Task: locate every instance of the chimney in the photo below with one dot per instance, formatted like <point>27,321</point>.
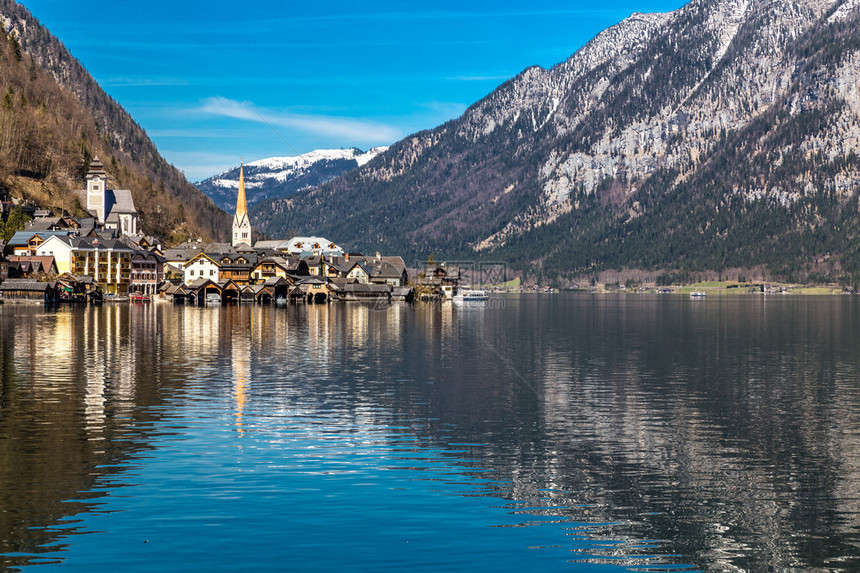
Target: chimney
<point>378,256</point>
<point>346,256</point>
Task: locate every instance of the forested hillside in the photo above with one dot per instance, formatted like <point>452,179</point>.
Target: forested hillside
<point>55,118</point>
<point>722,136</point>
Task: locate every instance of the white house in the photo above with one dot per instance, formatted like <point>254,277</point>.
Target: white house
<point>201,266</point>
<point>61,248</point>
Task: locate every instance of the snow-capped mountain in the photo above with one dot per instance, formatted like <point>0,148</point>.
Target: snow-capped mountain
<point>282,176</point>
<point>723,135</point>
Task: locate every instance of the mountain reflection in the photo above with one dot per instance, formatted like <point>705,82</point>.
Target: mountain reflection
<point>718,434</point>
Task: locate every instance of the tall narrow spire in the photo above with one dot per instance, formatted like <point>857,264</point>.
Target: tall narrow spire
<point>241,221</point>
<point>241,205</point>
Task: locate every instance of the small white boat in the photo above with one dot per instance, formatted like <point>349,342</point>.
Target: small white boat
<point>466,294</point>
<point>213,298</point>
<point>697,294</point>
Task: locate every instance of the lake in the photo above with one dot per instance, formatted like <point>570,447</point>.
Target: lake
<point>563,432</point>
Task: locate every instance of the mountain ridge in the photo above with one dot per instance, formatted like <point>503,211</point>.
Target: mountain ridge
<point>277,177</point>
<point>574,169</point>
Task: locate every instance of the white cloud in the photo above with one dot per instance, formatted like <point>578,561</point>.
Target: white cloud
<point>142,82</point>
<point>352,131</point>
<point>488,78</point>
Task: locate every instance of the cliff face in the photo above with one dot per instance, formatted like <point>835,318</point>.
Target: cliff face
<point>62,118</point>
<point>724,134</point>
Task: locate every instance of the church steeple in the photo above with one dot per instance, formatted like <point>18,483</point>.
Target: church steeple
<point>241,221</point>
<point>96,188</point>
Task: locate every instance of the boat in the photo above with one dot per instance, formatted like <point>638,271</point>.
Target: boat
<point>138,297</point>
<point>467,294</point>
<point>213,298</point>
<point>697,294</point>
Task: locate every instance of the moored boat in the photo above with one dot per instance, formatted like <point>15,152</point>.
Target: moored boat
<point>467,294</point>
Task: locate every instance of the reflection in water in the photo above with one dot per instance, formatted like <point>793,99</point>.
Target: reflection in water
<point>642,431</point>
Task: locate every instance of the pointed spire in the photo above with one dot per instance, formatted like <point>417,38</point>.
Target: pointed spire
<point>241,204</point>
<point>241,222</point>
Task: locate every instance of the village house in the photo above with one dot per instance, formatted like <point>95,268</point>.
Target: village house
<point>28,267</point>
<point>388,270</point>
<point>275,266</point>
<point>147,272</point>
<point>237,267</point>
<point>343,267</point>
<point>26,243</point>
<point>201,266</point>
<point>441,278</point>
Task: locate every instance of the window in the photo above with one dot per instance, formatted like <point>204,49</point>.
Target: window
<point>191,272</point>
<point>211,272</point>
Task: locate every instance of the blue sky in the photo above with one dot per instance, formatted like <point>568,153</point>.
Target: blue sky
<point>215,82</point>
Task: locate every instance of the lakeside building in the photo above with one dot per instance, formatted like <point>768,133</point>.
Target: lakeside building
<point>115,266</point>
<point>441,278</point>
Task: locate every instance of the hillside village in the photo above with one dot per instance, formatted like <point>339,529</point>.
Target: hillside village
<point>107,256</point>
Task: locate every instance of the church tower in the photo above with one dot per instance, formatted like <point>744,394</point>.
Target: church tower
<point>96,188</point>
<point>241,221</point>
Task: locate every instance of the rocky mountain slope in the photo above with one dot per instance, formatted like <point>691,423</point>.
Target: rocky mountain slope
<point>722,135</point>
<point>279,177</point>
<point>55,118</point>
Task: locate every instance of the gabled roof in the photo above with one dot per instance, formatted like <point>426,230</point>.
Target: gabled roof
<point>232,259</point>
<point>179,254</point>
<point>109,244</point>
<point>213,258</point>
<point>199,283</point>
<point>45,262</point>
<point>366,288</point>
<point>387,267</point>
<point>26,285</point>
<point>45,224</point>
<point>21,238</point>
<point>274,245</point>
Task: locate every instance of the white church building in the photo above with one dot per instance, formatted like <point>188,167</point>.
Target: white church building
<point>112,208</point>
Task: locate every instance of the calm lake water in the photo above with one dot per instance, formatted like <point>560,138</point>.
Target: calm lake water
<point>550,432</point>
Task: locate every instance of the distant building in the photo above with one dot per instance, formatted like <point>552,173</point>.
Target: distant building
<point>112,208</point>
<point>306,246</point>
